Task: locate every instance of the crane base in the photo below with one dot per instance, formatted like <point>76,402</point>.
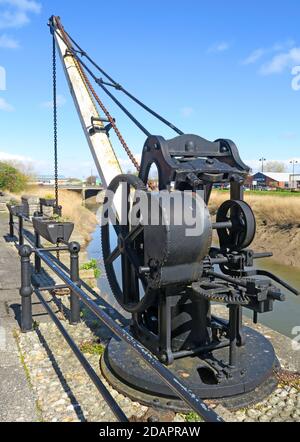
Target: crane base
<point>249,382</point>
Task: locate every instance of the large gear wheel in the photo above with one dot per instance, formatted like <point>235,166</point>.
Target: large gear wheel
<point>132,292</point>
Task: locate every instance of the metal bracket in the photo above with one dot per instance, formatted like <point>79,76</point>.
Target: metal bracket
<point>96,128</point>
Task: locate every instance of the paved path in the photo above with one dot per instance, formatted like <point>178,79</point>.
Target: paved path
<point>17,402</point>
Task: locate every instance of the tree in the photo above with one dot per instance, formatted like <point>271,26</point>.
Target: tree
<point>274,166</point>
<point>11,179</point>
<point>91,180</point>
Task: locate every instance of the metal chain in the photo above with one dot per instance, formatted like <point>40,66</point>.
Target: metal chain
<point>55,121</point>
<point>55,128</point>
<point>106,112</point>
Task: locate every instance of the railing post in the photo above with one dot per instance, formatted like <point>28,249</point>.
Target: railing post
<point>37,243</point>
<point>21,237</point>
<point>11,225</point>
<point>58,210</point>
<point>74,249</point>
<point>37,259</point>
<point>26,289</point>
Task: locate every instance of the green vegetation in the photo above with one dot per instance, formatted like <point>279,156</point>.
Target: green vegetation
<point>193,417</point>
<point>11,179</point>
<point>49,197</point>
<point>279,192</point>
<point>92,264</point>
<point>60,219</point>
<point>92,348</point>
<point>14,202</point>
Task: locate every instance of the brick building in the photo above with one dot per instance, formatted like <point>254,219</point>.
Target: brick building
<point>273,179</point>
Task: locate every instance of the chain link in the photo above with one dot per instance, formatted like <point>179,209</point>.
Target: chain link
<point>55,128</point>
<point>55,121</point>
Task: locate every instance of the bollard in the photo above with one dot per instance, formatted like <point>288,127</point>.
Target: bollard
<point>11,225</point>
<point>26,289</point>
<point>21,237</point>
<point>74,249</point>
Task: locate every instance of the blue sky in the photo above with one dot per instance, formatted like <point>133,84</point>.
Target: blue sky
<point>219,69</point>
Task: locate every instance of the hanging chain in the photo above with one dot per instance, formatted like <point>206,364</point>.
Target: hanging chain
<point>55,122</point>
<point>55,130</point>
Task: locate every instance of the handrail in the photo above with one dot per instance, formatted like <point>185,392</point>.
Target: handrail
<point>175,384</point>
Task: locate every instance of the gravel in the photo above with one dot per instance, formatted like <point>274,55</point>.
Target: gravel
<point>64,392</point>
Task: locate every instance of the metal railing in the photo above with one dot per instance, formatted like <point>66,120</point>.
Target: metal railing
<point>71,280</point>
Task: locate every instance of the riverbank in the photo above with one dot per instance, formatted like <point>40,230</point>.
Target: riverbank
<point>278,224</point>
<point>84,219</point>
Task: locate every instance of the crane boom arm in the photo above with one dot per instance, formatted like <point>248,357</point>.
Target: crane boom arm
<point>100,146</point>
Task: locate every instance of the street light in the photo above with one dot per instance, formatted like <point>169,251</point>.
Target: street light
<point>262,164</point>
<point>293,162</point>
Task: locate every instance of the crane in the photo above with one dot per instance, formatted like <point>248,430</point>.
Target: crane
<point>168,282</point>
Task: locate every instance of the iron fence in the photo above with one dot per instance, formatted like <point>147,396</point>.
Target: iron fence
<point>80,291</point>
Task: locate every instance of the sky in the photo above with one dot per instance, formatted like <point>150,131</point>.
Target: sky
<point>221,69</point>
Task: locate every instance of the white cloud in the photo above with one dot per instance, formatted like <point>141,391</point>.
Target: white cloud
<point>254,56</point>
<point>6,156</point>
<point>219,47</point>
<point>186,111</point>
<point>281,61</point>
<point>61,101</point>
<point>24,5</point>
<point>5,106</point>
<point>8,42</point>
<point>288,135</point>
<point>284,55</point>
<point>2,79</point>
<point>126,163</point>
<point>15,13</point>
<point>24,163</point>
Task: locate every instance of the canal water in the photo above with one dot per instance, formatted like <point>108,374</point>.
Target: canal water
<point>285,316</point>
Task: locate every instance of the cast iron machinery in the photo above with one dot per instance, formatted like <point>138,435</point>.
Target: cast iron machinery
<point>185,293</point>
<point>170,282</point>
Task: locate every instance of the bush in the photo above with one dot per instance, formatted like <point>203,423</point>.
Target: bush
<point>92,264</point>
<point>11,179</point>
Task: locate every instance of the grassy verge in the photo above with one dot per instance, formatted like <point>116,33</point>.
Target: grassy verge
<point>278,223</point>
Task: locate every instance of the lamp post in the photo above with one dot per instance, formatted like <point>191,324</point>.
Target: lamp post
<point>293,162</point>
<point>262,159</point>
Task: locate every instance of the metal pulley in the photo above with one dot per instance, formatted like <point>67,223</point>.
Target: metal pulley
<point>236,225</point>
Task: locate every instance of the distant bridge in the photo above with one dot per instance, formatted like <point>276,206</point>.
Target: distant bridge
<point>87,191</point>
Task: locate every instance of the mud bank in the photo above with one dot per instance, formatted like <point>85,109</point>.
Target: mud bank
<point>278,224</point>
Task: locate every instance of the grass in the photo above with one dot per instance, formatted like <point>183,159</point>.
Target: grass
<point>92,265</point>
<point>270,208</point>
<point>281,193</point>
<point>192,417</point>
<point>92,348</point>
